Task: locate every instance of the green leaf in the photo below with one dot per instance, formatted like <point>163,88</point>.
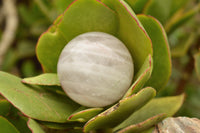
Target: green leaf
<point>182,48</point>
<point>34,101</point>
<point>131,32</point>
<point>61,5</point>
<point>181,18</point>
<point>47,79</point>
<point>77,19</point>
<point>19,121</point>
<point>85,115</point>
<point>120,111</point>
<point>161,52</point>
<point>61,126</point>
<point>4,107</point>
<point>197,64</point>
<point>137,5</point>
<point>137,128</point>
<point>167,105</point>
<point>141,77</point>
<point>48,49</point>
<point>160,9</point>
<point>6,126</point>
<point>34,126</point>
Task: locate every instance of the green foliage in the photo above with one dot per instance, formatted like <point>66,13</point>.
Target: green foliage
<point>34,126</point>
<point>110,118</point>
<point>6,126</point>
<point>38,104</point>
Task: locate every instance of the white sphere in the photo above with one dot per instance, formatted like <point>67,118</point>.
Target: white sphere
<point>95,69</point>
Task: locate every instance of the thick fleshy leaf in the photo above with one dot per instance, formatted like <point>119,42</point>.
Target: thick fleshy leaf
<point>77,19</point>
<point>161,53</point>
<point>48,50</point>
<point>181,18</point>
<point>137,128</point>
<point>61,126</point>
<point>47,79</point>
<point>141,77</point>
<point>120,111</point>
<point>85,115</point>
<point>182,48</point>
<point>34,126</point>
<point>160,9</point>
<point>131,32</point>
<point>197,64</point>
<point>167,105</point>
<point>4,107</point>
<point>137,5</point>
<point>6,126</point>
<point>34,101</point>
<point>61,5</point>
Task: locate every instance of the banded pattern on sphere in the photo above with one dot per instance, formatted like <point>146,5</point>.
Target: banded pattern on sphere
<point>95,69</point>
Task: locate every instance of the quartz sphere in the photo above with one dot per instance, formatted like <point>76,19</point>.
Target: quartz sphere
<point>95,69</point>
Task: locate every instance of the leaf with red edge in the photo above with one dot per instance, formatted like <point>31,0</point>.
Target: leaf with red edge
<point>141,77</point>
<point>36,102</point>
<point>120,111</point>
<point>137,128</point>
<point>131,32</point>
<point>168,105</point>
<point>161,52</point>
<point>77,19</point>
<point>85,115</point>
<point>47,79</point>
<point>137,5</point>
<point>34,126</point>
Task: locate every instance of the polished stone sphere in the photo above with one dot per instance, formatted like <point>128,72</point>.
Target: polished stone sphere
<point>95,69</point>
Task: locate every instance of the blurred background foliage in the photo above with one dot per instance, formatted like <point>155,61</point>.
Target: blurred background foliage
<point>35,16</point>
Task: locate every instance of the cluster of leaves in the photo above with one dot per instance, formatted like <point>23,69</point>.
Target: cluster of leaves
<point>38,104</point>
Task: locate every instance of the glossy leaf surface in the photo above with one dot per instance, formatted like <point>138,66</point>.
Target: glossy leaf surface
<point>36,102</point>
<point>167,105</point>
<point>47,79</point>
<point>161,53</point>
<point>124,108</point>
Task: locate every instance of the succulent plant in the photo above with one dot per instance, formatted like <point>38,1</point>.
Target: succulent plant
<point>41,100</point>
